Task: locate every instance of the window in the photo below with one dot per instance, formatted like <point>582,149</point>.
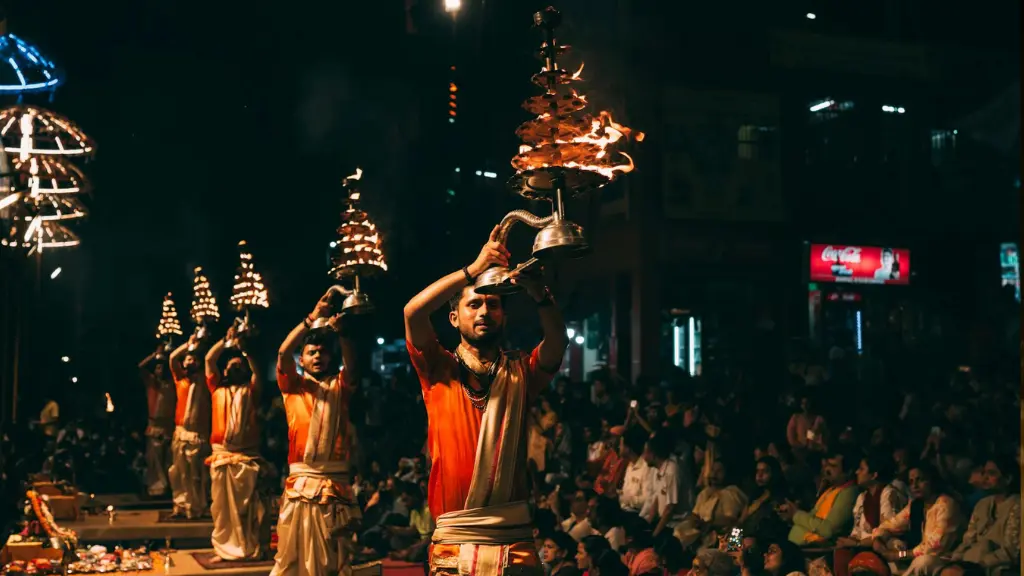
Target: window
<point>943,146</point>
<point>756,142</point>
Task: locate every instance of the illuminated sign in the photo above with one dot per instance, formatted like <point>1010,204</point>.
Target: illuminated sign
<point>859,264</point>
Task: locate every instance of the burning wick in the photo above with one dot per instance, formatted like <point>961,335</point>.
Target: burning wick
<point>110,408</point>
<point>111,514</point>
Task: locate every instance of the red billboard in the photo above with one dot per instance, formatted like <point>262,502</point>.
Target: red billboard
<point>859,264</point>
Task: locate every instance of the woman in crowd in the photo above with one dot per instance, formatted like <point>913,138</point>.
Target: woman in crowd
<point>926,530</point>
<point>587,552</point>
<point>991,544</point>
<point>759,517</point>
<point>783,558</point>
<point>640,557</point>
<point>558,554</point>
<point>807,430</point>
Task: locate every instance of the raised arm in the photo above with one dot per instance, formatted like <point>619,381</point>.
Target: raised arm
<point>286,370</point>
<point>552,346</point>
<point>214,354</point>
<point>418,330</point>
<point>144,370</point>
<point>177,368</point>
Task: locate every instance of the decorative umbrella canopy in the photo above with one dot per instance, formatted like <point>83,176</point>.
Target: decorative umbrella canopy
<point>48,175</point>
<point>169,324</point>
<point>29,130</point>
<point>357,251</point>
<point>38,234</point>
<point>27,70</point>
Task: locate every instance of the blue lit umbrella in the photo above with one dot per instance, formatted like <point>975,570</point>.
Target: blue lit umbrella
<point>27,71</point>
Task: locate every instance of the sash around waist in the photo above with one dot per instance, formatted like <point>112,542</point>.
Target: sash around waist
<point>334,470</point>
<point>491,525</point>
<point>225,450</point>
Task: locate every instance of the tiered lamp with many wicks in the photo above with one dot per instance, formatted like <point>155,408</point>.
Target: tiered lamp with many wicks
<point>169,325</point>
<point>356,253</point>
<point>204,304</point>
<point>566,152</point>
<point>249,291</point>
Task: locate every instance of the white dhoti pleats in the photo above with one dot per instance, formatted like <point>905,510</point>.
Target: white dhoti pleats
<point>240,530</point>
<point>311,539</point>
<point>158,451</point>
<point>188,473</point>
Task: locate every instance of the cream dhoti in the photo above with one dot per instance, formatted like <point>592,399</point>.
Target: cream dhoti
<point>158,456</point>
<point>314,529</point>
<point>239,509</point>
<point>190,446</point>
<point>188,473</point>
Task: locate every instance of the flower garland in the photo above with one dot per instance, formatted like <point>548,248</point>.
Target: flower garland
<point>45,518</point>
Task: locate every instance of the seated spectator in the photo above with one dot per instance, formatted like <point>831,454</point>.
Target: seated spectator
<point>588,550</point>
<point>613,468</point>
<point>609,563</point>
<point>991,544</point>
<point>636,483</point>
<point>663,504</point>
<point>877,503</point>
<point>558,554</point>
<point>759,518</point>
<point>411,542</point>
<point>670,554</point>
<point>807,430</point>
<point>718,507</point>
<point>639,558</point>
<point>712,562</point>
<point>927,529</point>
<point>577,524</point>
<point>784,558</point>
<point>832,514</point>
<point>606,520</point>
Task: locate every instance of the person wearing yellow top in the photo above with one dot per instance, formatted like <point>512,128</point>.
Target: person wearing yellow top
<point>421,525</point>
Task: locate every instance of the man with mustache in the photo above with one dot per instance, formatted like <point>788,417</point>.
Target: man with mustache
<point>319,509</point>
<point>477,401</point>
<point>239,507</point>
<point>191,442</point>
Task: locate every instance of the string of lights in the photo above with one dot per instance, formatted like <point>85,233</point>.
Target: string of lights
<point>27,130</point>
<point>204,304</point>
<point>357,249</point>
<point>249,290</point>
<point>169,325</point>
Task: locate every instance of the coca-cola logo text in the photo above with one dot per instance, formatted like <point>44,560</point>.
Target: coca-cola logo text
<point>849,254</point>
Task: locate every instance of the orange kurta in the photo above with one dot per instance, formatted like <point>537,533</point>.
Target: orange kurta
<point>454,426</point>
<point>246,432</point>
<point>193,408</point>
<point>299,395</point>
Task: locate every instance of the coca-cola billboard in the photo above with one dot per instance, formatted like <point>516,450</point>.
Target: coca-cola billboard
<point>859,264</point>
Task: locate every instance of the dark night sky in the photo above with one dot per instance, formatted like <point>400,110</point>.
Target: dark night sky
<point>216,124</point>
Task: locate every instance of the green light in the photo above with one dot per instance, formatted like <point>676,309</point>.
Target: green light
<point>451,192</point>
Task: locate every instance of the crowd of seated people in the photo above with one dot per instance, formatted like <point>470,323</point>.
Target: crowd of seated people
<point>653,478</point>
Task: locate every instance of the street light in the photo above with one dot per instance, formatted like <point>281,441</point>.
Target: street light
<point>55,273</point>
<point>380,341</point>
<point>65,359</point>
<point>452,6</point>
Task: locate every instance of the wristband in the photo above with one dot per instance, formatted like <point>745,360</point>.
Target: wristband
<point>469,277</point>
<point>308,323</point>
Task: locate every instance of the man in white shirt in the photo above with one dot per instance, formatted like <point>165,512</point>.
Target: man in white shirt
<point>636,485</point>
<point>663,503</point>
<point>577,524</point>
